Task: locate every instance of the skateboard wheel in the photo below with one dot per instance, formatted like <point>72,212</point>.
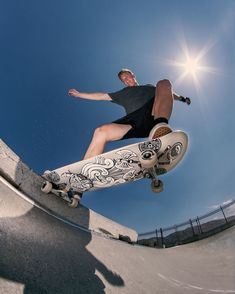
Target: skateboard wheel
<point>157,186</point>
<point>148,160</point>
<point>46,187</point>
<point>74,203</point>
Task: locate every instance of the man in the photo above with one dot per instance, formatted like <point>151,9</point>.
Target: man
<point>148,110</point>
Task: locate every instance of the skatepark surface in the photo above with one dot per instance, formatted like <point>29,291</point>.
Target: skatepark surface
<point>40,253</point>
<point>46,247</point>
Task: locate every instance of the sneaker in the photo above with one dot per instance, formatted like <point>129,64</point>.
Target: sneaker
<point>159,130</point>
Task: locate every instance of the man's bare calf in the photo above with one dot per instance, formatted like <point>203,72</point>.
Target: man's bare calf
<point>104,134</point>
<point>163,103</point>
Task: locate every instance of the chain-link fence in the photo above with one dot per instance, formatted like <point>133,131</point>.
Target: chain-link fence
<point>192,230</point>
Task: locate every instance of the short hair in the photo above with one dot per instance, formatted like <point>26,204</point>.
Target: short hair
<point>124,70</point>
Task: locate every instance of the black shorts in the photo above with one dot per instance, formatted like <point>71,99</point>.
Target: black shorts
<point>141,121</point>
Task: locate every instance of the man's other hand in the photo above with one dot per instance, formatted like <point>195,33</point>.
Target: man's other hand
<point>188,100</point>
<point>73,93</point>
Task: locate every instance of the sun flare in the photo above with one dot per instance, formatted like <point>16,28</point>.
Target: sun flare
<point>191,65</point>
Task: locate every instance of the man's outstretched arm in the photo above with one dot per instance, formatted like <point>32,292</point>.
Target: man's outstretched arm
<point>90,96</point>
<point>182,98</point>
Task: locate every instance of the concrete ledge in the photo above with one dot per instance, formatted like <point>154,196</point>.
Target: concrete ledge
<point>27,181</point>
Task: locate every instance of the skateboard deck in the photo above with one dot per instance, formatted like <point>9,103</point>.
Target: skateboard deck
<point>147,159</point>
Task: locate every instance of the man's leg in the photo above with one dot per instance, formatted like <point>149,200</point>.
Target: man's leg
<point>104,134</point>
<point>162,109</point>
<point>163,103</point>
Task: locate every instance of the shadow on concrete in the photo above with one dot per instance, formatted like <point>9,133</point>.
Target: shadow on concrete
<point>47,255</point>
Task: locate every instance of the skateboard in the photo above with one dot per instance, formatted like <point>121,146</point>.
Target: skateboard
<point>147,159</point>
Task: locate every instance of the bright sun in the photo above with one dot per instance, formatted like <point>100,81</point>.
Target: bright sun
<point>191,66</point>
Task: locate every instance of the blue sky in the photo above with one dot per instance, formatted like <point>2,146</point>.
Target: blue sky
<point>48,47</point>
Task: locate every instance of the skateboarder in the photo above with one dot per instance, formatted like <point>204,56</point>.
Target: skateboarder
<point>148,110</point>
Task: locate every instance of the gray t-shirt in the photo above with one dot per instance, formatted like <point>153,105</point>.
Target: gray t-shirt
<point>133,98</point>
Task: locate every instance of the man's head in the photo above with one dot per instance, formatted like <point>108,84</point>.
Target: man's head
<point>127,77</point>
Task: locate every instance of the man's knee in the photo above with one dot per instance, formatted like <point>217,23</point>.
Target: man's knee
<point>101,133</point>
<point>164,85</point>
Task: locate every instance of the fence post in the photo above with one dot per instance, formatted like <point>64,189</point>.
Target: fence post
<point>191,224</point>
<point>224,214</point>
<point>162,239</point>
<point>157,243</point>
<point>199,225</point>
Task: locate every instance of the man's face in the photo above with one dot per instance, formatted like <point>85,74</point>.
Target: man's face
<point>128,79</point>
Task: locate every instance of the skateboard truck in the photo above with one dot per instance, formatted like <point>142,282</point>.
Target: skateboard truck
<point>149,160</point>
<point>73,198</point>
<point>156,184</point>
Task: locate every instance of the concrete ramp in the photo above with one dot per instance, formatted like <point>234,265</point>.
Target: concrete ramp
<point>40,253</point>
<point>26,180</point>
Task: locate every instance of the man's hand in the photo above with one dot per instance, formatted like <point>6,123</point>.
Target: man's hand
<point>73,92</point>
<point>188,100</point>
<point>185,99</point>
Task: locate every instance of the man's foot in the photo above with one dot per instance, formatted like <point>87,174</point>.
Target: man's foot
<point>159,130</point>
